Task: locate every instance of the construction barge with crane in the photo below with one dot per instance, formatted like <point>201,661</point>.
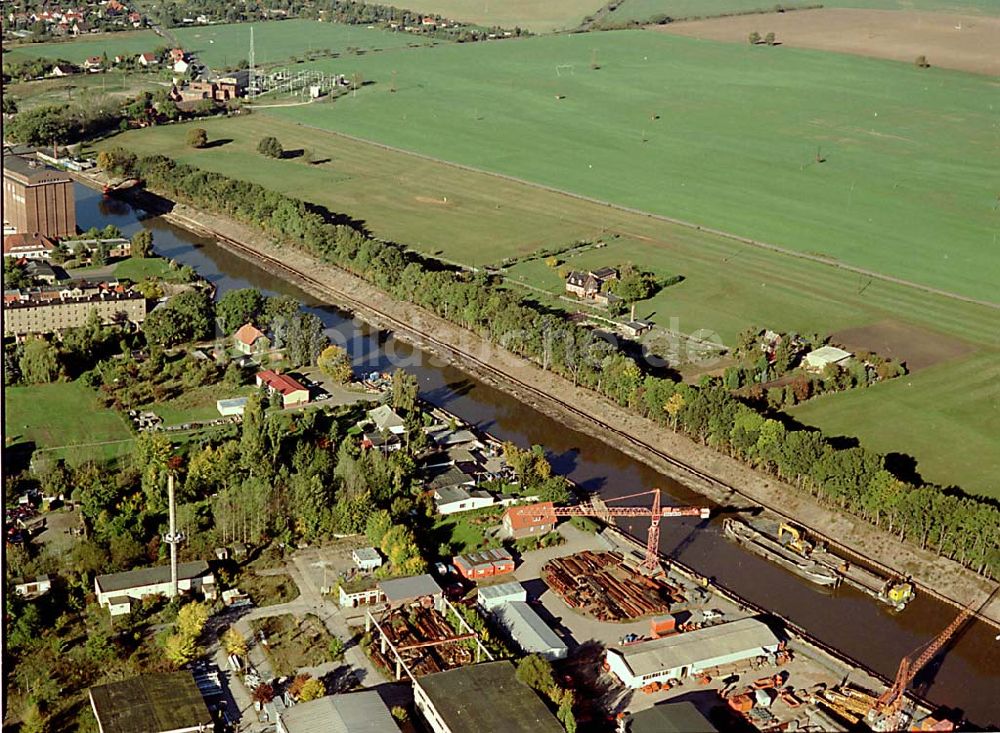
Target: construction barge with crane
<point>785,545</point>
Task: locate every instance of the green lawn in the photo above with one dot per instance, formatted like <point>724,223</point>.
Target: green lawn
<point>77,50</point>
<point>717,134</point>
<point>640,10</point>
<point>227,45</point>
<point>66,416</point>
<point>139,268</point>
<point>195,404</point>
<point>948,416</point>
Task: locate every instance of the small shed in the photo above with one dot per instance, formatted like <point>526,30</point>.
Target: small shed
<point>231,406</point>
<point>495,596</point>
<point>366,558</point>
<point>636,328</point>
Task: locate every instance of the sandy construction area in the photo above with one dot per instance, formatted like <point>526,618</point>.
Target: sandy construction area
<point>963,42</point>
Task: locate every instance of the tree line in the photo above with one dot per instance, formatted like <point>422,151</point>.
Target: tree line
<point>855,479</point>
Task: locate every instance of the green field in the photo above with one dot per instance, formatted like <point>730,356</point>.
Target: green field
<point>195,404</point>
<point>639,10</point>
<point>65,416</point>
<point>947,415</point>
<point>538,16</point>
<point>226,45</point>
<point>721,135</point>
<point>78,49</point>
<point>67,89</point>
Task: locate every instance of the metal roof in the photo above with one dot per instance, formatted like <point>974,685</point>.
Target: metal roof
<point>363,554</point>
<point>385,418</point>
<point>527,628</point>
<point>487,697</point>
<point>493,592</point>
<point>405,589</point>
<point>151,703</point>
<point>747,635</point>
<point>358,712</point>
<point>677,717</point>
<point>828,354</point>
<point>150,576</point>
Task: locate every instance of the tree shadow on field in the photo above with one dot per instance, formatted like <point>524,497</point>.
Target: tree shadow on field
<point>217,143</point>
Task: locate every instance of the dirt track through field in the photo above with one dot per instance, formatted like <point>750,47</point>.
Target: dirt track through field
<point>962,42</point>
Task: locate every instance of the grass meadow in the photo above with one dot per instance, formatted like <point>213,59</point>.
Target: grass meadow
<point>65,416</point>
<point>536,15</point>
<point>639,10</point>
<point>68,89</point>
<point>77,50</point>
<point>275,41</point>
<point>727,285</point>
<point>722,135</point>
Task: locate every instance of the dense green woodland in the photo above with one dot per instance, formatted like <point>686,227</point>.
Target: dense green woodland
<point>853,479</point>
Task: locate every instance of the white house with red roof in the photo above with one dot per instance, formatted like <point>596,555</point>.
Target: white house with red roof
<point>250,340</point>
<point>528,520</point>
<point>29,246</point>
<point>148,59</point>
<point>292,392</point>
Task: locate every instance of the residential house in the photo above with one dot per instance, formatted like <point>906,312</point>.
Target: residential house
<point>167,702</point>
<point>824,356</point>
<point>528,520</point>
<point>387,420</point>
<point>148,59</point>
<point>33,246</point>
<point>485,564</point>
<point>686,655</point>
<point>93,64</point>
<point>356,712</point>
<point>590,284</point>
<point>176,54</point>
<point>40,271</point>
<point>293,393</point>
<point>481,697</point>
<point>180,67</point>
<point>250,340</point>
<point>458,498</point>
<point>63,70</point>
<point>367,559</point>
<point>117,591</point>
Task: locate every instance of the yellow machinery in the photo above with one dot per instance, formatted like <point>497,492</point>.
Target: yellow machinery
<point>795,540</point>
<point>899,594</point>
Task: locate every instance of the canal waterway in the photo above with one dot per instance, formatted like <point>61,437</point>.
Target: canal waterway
<point>967,678</point>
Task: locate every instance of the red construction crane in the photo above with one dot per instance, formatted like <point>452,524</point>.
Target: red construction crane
<point>884,715</point>
<point>655,513</point>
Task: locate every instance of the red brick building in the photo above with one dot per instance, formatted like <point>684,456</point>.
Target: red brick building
<point>485,564</point>
<point>37,199</point>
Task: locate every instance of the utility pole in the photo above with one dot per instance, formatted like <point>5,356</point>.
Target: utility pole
<point>251,87</point>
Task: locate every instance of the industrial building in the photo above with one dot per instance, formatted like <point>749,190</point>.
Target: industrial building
<point>485,564</point>
<point>481,697</point>
<point>677,717</point>
<point>37,198</point>
<point>527,629</point>
<point>357,712</point>
<point>153,703</point>
<point>491,597</point>
<point>118,590</point>
<point>691,653</point>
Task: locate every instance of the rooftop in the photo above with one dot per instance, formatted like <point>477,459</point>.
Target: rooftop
<point>696,646</point>
<point>151,703</point>
<point>487,697</point>
<point>527,628</point>
<point>489,592</point>
<point>32,170</point>
<point>385,418</point>
<point>150,576</point>
<point>281,383</point>
<point>406,589</point>
<point>248,334</point>
<point>444,477</point>
<point>828,354</point>
<point>678,717</point>
<point>366,554</point>
<point>16,243</point>
<point>530,515</point>
<point>358,712</point>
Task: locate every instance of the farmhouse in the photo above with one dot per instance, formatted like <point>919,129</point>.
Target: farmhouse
<point>250,340</point>
<point>168,702</point>
<point>824,356</point>
<point>485,564</point>
<point>481,697</point>
<point>691,653</point>
<point>590,284</point>
<point>357,712</point>
<point>292,392</point>
<point>366,558</point>
<point>118,590</point>
<point>33,246</point>
<point>528,520</point>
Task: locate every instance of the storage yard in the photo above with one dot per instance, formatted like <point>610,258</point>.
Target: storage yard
<point>423,639</point>
<point>599,585</point>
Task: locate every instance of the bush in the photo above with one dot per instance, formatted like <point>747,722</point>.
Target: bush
<point>270,147</point>
<point>585,524</point>
<point>197,137</point>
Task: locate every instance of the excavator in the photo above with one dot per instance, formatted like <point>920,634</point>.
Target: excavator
<point>792,538</point>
